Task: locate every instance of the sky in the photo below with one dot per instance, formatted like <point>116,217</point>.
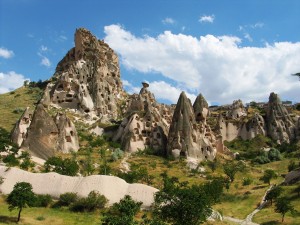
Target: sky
<point>224,49</point>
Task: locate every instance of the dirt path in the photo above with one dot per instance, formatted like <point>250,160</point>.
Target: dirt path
<point>248,220</point>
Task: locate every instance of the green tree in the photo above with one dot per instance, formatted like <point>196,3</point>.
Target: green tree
<point>268,175</point>
<point>231,168</point>
<point>212,164</point>
<point>274,193</point>
<point>282,206</point>
<point>67,167</point>
<point>20,197</point>
<point>180,204</point>
<point>122,213</point>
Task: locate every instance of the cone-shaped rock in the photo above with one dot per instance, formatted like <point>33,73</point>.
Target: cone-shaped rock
<point>42,134</point>
<point>146,124</point>
<point>20,130</point>
<point>280,126</point>
<point>200,108</point>
<point>190,138</point>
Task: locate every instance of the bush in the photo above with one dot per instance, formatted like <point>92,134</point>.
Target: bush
<point>117,154</point>
<point>18,110</point>
<point>11,160</point>
<point>67,199</point>
<point>89,204</point>
<point>67,167</point>
<point>42,201</point>
<point>247,181</point>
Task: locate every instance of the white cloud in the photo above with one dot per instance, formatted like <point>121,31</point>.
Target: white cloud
<point>257,25</point>
<point>45,61</point>
<point>161,91</point>
<point>10,81</point>
<point>44,48</point>
<point>165,91</point>
<point>248,37</point>
<point>207,19</point>
<point>215,66</point>
<point>62,38</point>
<point>168,20</point>
<point>5,53</point>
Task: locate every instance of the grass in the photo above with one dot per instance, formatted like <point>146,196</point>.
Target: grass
<point>45,216</point>
<point>13,104</point>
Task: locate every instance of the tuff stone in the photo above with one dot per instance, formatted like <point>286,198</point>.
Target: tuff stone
<point>47,136</point>
<point>88,78</point>
<point>193,138</point>
<point>146,124</point>
<point>280,126</point>
<point>19,131</point>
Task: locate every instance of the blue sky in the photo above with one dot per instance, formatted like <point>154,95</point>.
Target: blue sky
<point>224,49</point>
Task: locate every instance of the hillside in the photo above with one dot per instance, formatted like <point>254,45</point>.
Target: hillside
<point>13,104</point>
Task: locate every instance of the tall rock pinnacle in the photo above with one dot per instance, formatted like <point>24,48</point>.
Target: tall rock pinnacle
<point>280,126</point>
<point>88,78</point>
<point>192,138</point>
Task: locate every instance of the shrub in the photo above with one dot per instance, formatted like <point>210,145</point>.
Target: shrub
<point>67,199</point>
<point>11,160</point>
<point>117,154</point>
<point>247,181</point>
<point>292,165</point>
<point>89,204</point>
<point>18,110</point>
<point>67,167</point>
<point>42,201</point>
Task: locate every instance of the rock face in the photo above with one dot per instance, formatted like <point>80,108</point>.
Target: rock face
<point>237,110</point>
<point>47,136</point>
<point>20,130</point>
<point>88,78</point>
<point>146,124</point>
<point>280,126</point>
<point>113,188</point>
<point>193,138</point>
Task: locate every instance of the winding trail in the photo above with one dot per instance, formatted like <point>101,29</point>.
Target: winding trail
<point>248,220</point>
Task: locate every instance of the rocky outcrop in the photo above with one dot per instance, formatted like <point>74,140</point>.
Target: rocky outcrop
<point>146,124</point>
<point>88,78</point>
<point>19,132</point>
<point>237,110</point>
<point>113,188</point>
<point>47,136</point>
<point>280,126</point>
<point>200,107</point>
<point>191,138</point>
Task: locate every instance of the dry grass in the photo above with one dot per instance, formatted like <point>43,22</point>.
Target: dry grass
<point>16,101</point>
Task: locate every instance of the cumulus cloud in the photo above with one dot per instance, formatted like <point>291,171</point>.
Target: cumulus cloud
<point>10,81</point>
<point>207,19</point>
<point>5,53</point>
<point>218,67</point>
<point>161,90</point>
<point>168,20</point>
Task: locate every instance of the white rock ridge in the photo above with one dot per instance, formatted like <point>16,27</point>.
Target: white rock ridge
<point>113,188</point>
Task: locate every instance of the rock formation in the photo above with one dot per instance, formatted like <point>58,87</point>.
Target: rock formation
<point>280,126</point>
<point>113,188</point>
<point>47,136</point>
<point>88,78</point>
<point>20,130</point>
<point>190,137</point>
<point>146,124</point>
<point>237,110</point>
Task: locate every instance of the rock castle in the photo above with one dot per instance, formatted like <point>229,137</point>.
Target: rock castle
<point>87,83</point>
